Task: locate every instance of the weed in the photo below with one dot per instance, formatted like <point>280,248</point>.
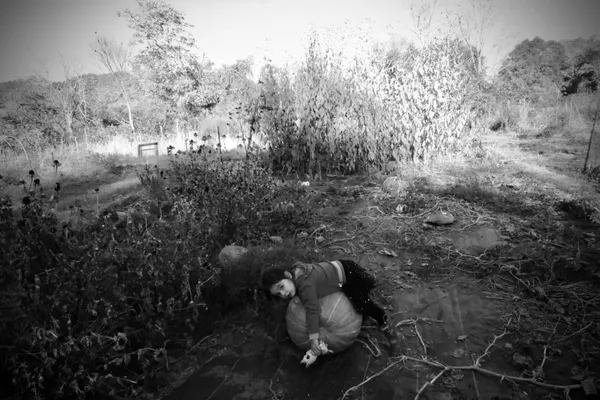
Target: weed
<point>92,310</point>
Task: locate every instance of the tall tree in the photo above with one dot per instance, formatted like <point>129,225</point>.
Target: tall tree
<point>581,71</point>
<point>63,96</point>
<point>534,66</point>
<point>168,57</point>
<point>116,58</point>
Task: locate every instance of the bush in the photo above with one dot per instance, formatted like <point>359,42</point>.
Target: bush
<point>234,202</point>
<point>99,303</point>
<point>344,110</point>
<point>93,311</point>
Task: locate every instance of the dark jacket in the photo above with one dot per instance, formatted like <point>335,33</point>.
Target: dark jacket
<point>313,282</point>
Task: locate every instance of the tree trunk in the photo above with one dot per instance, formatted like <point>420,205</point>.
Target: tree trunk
<point>85,135</point>
<point>129,113</point>
<point>586,165</point>
<point>68,127</point>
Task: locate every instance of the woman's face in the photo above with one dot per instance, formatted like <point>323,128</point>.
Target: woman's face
<point>285,289</point>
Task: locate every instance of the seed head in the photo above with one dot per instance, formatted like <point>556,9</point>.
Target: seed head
<point>26,200</point>
<point>31,173</point>
<point>36,182</point>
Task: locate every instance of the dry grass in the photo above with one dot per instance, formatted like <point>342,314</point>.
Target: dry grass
<point>97,158</point>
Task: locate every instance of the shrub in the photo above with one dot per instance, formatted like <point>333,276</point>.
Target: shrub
<point>93,312</point>
<point>234,202</point>
<point>342,111</point>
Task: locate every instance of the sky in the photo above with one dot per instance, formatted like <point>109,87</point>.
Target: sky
<point>36,35</point>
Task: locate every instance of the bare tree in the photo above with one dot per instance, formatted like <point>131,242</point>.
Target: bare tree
<point>64,96</point>
<point>422,13</point>
<point>474,26</point>
<point>116,58</point>
<point>587,165</point>
<point>83,107</point>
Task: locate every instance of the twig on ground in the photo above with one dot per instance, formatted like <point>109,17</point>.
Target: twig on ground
<point>476,366</point>
<point>343,249</point>
<point>487,349</point>
<point>420,338</point>
<point>471,224</point>
<point>375,351</point>
<point>353,388</point>
<point>417,320</point>
<point>431,382</point>
<point>575,333</point>
<point>362,392</point>
<point>194,347</point>
<point>320,228</point>
<point>377,208</point>
<point>274,395</point>
<point>338,240</point>
<point>541,367</point>
<point>490,373</point>
<point>223,381</point>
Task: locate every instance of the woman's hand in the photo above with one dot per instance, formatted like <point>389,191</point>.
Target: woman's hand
<point>315,348</point>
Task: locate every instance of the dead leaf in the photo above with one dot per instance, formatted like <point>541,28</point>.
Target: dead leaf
<point>457,374</point>
<point>520,359</point>
<point>461,337</point>
<point>588,386</point>
<point>577,373</point>
<point>458,353</point>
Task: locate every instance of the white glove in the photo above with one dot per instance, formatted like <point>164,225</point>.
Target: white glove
<point>310,357</point>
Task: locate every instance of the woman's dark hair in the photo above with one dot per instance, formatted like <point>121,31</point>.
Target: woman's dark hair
<point>272,275</point>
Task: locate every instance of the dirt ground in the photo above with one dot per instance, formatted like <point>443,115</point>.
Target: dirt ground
<point>469,299</point>
<point>444,313</point>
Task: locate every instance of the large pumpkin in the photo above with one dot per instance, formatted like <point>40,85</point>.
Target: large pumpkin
<point>339,323</point>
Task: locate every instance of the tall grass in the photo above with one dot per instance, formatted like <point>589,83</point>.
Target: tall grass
<point>82,159</point>
<point>564,115</point>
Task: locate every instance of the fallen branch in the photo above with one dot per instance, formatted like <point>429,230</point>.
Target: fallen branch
<point>353,388</point>
<point>476,366</point>
<point>490,373</point>
<point>413,323</point>
<point>431,382</point>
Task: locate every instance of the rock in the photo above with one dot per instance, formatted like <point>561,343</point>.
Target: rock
<point>440,218</point>
<point>477,241</point>
<point>276,239</point>
<point>231,255</point>
<point>394,185</point>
